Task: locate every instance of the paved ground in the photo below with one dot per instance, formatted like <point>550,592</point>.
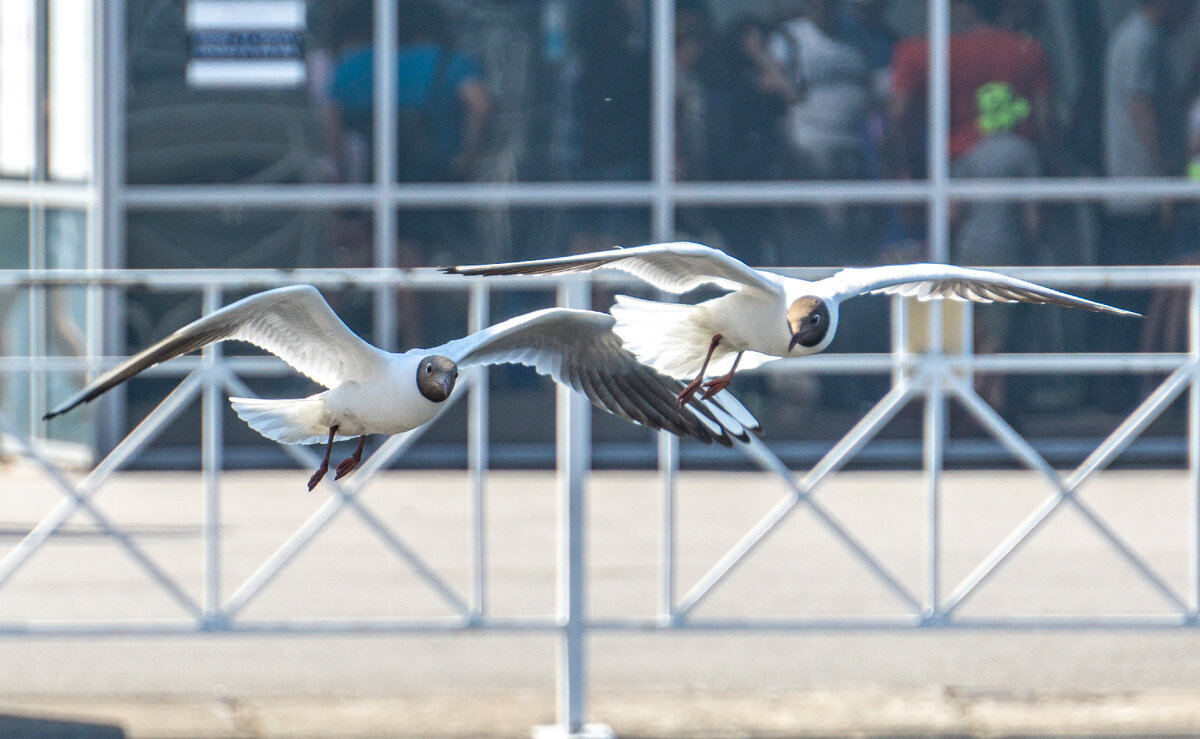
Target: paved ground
<point>823,682</point>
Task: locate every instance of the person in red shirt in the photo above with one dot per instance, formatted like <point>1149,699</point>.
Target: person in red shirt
<point>984,60</point>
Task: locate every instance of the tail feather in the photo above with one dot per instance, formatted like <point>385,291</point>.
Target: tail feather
<point>662,335</point>
<point>286,420</point>
<point>746,423</point>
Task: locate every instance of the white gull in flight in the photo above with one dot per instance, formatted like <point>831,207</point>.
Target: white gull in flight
<point>372,391</point>
<point>764,315</point>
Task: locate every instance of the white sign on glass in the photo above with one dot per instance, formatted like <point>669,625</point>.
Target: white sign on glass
<point>246,43</point>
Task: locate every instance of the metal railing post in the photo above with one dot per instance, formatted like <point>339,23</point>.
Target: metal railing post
<point>112,193</point>
<point>574,445</point>
<point>211,442</point>
<point>900,331</point>
<point>668,469</point>
<point>385,304</point>
<point>662,135</point>
<point>1193,433</point>
<point>939,130</point>
<point>477,453</point>
<point>939,250</point>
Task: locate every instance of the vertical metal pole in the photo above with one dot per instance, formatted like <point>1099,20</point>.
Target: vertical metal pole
<point>98,201</point>
<point>574,444</point>
<point>668,467</point>
<point>41,91</point>
<point>662,94</point>
<point>967,330</point>
<point>1194,443</point>
<point>900,331</point>
<point>477,453</point>
<point>663,174</point>
<point>384,62</point>
<point>939,128</point>
<point>211,463</point>
<point>934,431</point>
<point>110,416</point>
<point>939,242</point>
<point>93,257</point>
<point>36,254</point>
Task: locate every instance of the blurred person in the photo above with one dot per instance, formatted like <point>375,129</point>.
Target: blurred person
<point>1166,324</point>
<point>603,120</point>
<point>995,233</point>
<point>1011,72</point>
<point>981,53</point>
<point>824,129</point>
<point>864,25</point>
<point>756,93</point>
<point>692,158</point>
<point>751,95</point>
<point>824,122</point>
<point>442,103</point>
<point>1142,136</point>
<point>442,113</point>
<point>696,103</point>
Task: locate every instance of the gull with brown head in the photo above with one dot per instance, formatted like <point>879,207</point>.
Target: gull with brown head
<point>763,315</point>
<point>372,391</point>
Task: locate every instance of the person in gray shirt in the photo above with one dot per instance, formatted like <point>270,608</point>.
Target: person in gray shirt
<point>1141,126</point>
<point>994,233</point>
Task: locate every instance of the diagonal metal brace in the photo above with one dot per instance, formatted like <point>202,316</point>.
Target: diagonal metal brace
<point>77,497</point>
<point>344,496</point>
<point>1066,489</point>
<point>801,492</point>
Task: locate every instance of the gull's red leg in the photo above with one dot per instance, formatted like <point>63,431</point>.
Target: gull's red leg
<point>717,384</point>
<point>349,463</point>
<point>690,389</point>
<point>316,478</point>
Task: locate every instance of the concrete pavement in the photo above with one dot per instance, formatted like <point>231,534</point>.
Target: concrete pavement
<point>824,682</point>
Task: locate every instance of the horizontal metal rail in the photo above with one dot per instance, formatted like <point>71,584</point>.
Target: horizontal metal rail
<point>36,194</point>
<point>569,194</point>
<point>1084,277</point>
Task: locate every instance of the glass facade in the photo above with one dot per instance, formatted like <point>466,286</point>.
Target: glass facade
<point>787,133</point>
<point>46,164</point>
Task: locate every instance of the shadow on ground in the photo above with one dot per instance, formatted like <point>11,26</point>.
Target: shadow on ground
<point>25,727</point>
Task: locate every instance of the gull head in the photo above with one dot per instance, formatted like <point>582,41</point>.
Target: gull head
<point>808,321</point>
<point>435,377</point>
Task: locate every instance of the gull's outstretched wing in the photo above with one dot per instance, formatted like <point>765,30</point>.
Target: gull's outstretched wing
<point>675,267</point>
<point>579,349</point>
<point>938,281</point>
<point>293,323</point>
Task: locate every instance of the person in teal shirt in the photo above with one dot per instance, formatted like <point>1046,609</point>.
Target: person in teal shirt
<point>442,103</point>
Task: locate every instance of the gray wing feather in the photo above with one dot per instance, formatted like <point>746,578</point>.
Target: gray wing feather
<point>293,323</point>
<point>942,281</point>
<point>579,349</point>
<point>675,267</point>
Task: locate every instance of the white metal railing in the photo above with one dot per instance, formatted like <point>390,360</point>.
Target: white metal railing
<point>936,376</point>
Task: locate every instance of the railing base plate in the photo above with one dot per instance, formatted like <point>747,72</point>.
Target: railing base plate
<point>589,731</point>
